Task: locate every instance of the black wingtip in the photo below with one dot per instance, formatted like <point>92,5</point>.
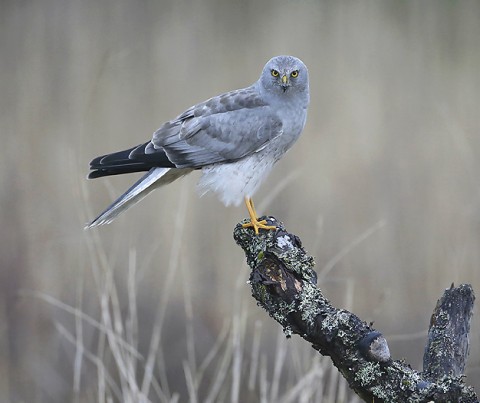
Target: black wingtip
<point>95,174</point>
<point>128,161</point>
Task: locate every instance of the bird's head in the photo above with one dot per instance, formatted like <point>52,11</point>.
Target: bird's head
<point>285,74</point>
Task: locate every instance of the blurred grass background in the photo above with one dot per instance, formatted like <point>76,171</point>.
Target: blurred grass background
<point>383,186</point>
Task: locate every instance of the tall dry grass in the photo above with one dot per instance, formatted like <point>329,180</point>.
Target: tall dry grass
<point>382,188</point>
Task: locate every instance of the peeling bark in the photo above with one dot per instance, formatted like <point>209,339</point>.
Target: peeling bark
<point>284,283</point>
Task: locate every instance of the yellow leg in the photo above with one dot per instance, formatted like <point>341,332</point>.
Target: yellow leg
<point>254,219</point>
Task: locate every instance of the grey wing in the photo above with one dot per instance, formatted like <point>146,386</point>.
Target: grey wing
<point>222,129</point>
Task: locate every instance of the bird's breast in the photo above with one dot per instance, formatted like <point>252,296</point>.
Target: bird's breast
<point>293,121</point>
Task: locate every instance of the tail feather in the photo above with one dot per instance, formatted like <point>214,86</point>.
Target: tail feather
<point>153,179</point>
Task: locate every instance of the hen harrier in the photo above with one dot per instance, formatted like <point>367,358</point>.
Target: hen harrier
<point>234,138</point>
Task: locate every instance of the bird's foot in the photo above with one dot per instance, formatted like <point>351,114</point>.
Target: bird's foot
<point>254,223</point>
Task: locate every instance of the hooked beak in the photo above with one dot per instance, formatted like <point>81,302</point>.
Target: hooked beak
<point>285,82</point>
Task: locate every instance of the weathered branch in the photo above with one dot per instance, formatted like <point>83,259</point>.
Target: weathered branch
<point>284,283</point>
<point>447,348</point>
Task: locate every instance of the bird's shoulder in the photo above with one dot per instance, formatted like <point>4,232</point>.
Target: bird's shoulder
<point>242,99</point>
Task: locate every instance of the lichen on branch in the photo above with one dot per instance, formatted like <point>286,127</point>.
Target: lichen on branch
<point>283,282</point>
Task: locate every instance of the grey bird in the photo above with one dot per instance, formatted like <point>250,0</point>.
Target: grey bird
<point>234,138</point>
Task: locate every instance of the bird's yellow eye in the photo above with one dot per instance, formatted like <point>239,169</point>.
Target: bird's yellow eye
<point>294,74</point>
<point>275,73</point>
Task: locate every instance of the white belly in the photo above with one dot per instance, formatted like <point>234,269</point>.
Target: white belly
<point>234,181</point>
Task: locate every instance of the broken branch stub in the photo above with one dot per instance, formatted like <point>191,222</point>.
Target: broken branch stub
<point>448,345</point>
